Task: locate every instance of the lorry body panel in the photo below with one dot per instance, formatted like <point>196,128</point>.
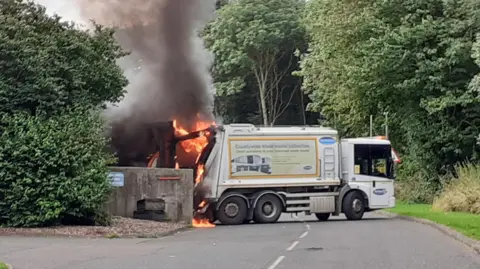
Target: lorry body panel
<point>259,167</point>
<point>308,168</point>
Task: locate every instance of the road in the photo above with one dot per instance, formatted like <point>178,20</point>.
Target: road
<point>376,242</point>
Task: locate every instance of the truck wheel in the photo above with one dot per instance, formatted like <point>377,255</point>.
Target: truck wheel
<point>322,216</point>
<point>353,205</point>
<point>232,211</point>
<point>268,209</point>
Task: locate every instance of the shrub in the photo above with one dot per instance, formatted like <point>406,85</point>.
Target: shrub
<point>415,185</point>
<point>53,170</point>
<point>415,190</point>
<point>463,192</point>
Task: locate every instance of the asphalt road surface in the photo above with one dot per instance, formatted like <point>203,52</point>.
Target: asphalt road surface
<point>376,242</point>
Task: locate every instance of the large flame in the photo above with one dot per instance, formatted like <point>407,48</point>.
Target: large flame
<point>194,147</point>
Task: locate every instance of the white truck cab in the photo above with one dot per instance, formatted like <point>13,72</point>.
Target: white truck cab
<point>258,173</point>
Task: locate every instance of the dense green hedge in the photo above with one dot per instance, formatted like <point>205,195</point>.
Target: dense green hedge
<point>53,170</point>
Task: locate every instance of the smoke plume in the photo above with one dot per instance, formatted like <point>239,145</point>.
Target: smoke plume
<point>168,68</point>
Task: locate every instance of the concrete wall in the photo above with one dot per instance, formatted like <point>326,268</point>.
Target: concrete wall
<point>174,186</point>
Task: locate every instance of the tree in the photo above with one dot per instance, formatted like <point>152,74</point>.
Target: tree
<point>254,44</point>
<point>410,58</point>
<point>54,77</point>
<point>49,65</point>
<point>54,171</point>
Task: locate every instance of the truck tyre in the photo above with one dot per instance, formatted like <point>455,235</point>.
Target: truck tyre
<point>232,211</point>
<point>353,205</point>
<point>322,216</point>
<point>268,209</point>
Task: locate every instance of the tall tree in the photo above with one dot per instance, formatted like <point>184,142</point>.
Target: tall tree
<point>409,58</point>
<point>49,65</point>
<point>254,43</point>
<point>53,158</point>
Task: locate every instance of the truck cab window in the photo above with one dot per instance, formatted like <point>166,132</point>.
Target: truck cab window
<point>362,156</point>
<point>381,160</point>
<point>373,160</point>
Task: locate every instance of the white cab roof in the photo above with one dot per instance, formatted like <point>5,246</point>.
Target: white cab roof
<point>367,140</point>
<point>250,129</point>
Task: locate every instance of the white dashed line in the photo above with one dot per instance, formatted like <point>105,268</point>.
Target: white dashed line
<point>303,235</point>
<point>308,227</point>
<point>276,262</point>
<point>292,245</point>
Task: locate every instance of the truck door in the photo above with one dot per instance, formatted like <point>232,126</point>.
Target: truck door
<point>372,164</point>
<point>382,182</point>
<point>361,163</point>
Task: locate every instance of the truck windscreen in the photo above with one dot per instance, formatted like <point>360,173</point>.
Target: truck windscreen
<point>374,160</point>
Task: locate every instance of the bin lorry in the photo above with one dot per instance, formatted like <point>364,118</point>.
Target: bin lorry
<point>258,173</point>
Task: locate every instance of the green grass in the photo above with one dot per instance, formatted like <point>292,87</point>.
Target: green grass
<point>465,223</point>
<point>3,266</point>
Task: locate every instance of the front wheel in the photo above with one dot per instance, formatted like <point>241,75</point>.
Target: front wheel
<point>353,205</point>
<point>232,211</point>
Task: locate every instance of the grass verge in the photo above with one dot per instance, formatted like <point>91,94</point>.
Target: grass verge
<point>465,223</point>
<point>3,266</point>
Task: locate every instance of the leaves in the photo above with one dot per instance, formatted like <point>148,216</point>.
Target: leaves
<point>52,168</point>
<point>53,151</point>
<point>251,41</point>
<point>48,65</point>
<point>410,58</point>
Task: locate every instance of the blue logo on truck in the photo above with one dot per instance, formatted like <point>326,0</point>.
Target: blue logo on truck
<point>327,140</point>
<point>307,167</point>
<point>379,191</point>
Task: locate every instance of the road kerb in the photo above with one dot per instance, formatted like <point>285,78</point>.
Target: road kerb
<point>471,243</point>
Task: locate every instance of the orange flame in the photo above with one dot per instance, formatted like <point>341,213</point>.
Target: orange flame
<point>196,146</point>
<point>202,223</point>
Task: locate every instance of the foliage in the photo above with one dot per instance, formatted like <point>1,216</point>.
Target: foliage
<point>48,65</point>
<point>412,59</point>
<point>463,192</point>
<point>53,170</point>
<point>465,223</point>
<point>254,44</point>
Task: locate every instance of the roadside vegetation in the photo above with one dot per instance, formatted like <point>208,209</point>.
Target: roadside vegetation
<point>465,223</point>
<point>457,205</point>
<point>55,78</point>
<point>3,266</point>
<point>462,193</point>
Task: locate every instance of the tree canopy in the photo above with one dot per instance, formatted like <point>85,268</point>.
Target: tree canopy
<point>254,44</point>
<point>48,64</point>
<point>412,59</point>
<point>53,155</point>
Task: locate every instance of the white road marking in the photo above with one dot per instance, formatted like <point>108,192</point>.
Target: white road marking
<point>292,245</point>
<point>308,227</point>
<point>276,262</point>
<point>303,235</point>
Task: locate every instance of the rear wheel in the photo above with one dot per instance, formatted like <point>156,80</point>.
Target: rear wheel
<point>322,216</point>
<point>353,205</point>
<point>268,209</point>
<point>232,211</point>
